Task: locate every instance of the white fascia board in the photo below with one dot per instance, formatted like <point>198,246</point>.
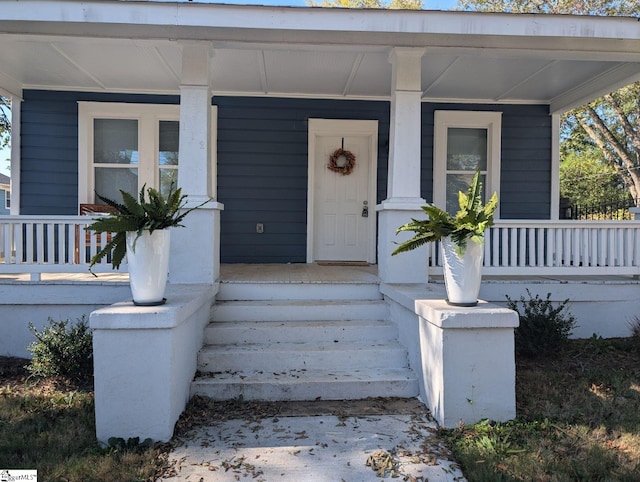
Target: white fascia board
<point>302,24</point>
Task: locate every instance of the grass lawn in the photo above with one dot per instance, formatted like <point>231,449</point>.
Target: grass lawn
<point>578,419</point>
<point>50,426</point>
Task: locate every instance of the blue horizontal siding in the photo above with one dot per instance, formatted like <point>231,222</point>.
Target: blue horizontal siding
<point>525,174</point>
<point>262,171</point>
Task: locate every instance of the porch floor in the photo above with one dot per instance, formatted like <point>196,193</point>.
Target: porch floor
<point>314,273</point>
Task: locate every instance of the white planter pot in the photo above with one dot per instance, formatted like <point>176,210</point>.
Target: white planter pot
<point>148,260</point>
<point>462,275</point>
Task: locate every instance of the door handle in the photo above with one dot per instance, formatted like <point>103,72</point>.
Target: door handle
<point>365,209</point>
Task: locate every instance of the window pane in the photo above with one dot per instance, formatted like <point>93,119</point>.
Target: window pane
<point>466,149</point>
<point>167,178</point>
<point>456,183</point>
<point>169,143</point>
<point>115,141</point>
<point>109,181</point>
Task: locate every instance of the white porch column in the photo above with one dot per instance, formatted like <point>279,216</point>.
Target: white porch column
<point>16,106</point>
<point>403,188</point>
<point>195,249</point>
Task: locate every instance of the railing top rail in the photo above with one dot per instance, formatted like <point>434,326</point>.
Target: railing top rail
<point>569,223</point>
<point>34,218</point>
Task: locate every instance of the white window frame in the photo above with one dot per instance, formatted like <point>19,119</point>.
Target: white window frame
<point>148,117</point>
<point>443,120</point>
<point>7,199</point>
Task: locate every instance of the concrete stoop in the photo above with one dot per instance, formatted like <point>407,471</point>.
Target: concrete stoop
<point>285,342</point>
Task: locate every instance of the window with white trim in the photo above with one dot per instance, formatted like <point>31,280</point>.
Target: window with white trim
<point>125,146</point>
<point>465,141</point>
<point>7,199</point>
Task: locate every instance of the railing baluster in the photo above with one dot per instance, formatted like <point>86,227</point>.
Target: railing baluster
<point>559,259</point>
<point>504,261</point>
<point>39,242</point>
<point>495,248</point>
<point>6,243</point>
<point>522,248</point>
<point>486,249</point>
<point>549,247</point>
<point>628,247</point>
<point>50,243</point>
<point>611,251</point>
<point>620,247</point>
<point>540,246</point>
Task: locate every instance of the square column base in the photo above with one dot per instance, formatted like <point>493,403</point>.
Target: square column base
<point>195,248</point>
<point>410,267</point>
<point>468,361</point>
<point>144,361</point>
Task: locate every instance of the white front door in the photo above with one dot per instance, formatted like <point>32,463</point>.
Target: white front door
<point>341,212</point>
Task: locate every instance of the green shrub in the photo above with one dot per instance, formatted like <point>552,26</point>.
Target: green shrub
<point>544,329</point>
<point>62,349</point>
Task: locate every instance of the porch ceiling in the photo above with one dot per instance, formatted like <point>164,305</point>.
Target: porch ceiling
<point>136,47</point>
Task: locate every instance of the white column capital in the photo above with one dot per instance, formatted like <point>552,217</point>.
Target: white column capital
<point>196,59</point>
<point>407,68</point>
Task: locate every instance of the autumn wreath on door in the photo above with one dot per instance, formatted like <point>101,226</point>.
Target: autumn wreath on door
<point>342,161</point>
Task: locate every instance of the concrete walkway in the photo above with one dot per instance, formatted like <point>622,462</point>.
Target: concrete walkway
<point>314,441</point>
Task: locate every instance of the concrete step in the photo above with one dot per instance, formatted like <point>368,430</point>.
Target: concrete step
<point>234,291</point>
<point>248,332</point>
<point>309,385</point>
<point>299,310</point>
<point>279,357</point>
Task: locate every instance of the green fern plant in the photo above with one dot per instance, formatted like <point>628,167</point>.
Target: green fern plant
<point>156,212</point>
<point>470,222</point>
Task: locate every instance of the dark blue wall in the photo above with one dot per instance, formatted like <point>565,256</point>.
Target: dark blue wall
<point>262,171</point>
<point>262,162</point>
<point>525,174</point>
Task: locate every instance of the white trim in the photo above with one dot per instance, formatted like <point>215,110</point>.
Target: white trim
<point>554,208</point>
<point>490,120</point>
<point>16,111</point>
<point>323,127</point>
<point>213,146</point>
<point>290,95</point>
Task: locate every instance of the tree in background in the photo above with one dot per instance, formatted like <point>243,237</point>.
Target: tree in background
<point>575,7</point>
<point>586,181</point>
<point>608,126</point>
<point>611,124</point>
<point>393,4</point>
<point>5,123</point>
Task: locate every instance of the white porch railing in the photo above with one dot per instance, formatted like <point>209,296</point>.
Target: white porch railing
<point>532,247</point>
<point>60,244</point>
<point>50,244</point>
